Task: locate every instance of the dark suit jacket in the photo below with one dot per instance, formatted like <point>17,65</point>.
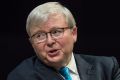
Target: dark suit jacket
<point>89,68</point>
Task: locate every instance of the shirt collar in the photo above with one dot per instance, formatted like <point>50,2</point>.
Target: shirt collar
<point>72,65</point>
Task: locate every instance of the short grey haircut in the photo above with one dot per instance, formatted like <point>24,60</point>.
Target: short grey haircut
<point>41,13</point>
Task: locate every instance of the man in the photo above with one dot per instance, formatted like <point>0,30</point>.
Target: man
<point>53,32</point>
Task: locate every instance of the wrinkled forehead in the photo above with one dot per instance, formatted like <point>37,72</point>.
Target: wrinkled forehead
<point>53,20</point>
<point>40,20</point>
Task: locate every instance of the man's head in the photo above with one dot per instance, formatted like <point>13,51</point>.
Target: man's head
<point>52,31</point>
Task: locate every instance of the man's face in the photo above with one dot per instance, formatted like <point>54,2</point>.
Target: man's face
<point>55,52</point>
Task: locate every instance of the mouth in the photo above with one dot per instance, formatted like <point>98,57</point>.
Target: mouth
<point>53,53</point>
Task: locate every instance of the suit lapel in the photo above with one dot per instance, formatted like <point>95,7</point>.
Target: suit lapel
<point>85,70</point>
<point>45,72</point>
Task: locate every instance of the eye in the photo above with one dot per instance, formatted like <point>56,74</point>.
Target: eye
<point>40,36</point>
<point>57,32</point>
<point>37,35</point>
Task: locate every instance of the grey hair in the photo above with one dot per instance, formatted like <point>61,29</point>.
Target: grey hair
<point>41,13</point>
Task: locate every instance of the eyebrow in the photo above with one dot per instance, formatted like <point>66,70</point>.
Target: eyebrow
<point>39,31</point>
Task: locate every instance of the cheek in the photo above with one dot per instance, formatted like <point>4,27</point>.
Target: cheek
<point>67,43</point>
<point>39,50</point>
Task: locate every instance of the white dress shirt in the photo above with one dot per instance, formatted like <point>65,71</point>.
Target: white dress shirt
<point>73,69</point>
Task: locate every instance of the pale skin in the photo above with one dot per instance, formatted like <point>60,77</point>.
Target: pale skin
<point>55,53</point>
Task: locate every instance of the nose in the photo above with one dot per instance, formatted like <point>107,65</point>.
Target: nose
<point>50,41</point>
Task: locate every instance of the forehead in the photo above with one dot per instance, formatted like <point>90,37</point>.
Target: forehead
<point>53,21</point>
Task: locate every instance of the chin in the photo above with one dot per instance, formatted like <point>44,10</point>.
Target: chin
<point>55,60</point>
<point>56,64</point>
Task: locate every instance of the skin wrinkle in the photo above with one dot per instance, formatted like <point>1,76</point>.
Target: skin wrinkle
<point>63,45</point>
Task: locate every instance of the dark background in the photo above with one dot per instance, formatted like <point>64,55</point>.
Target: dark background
<point>98,25</point>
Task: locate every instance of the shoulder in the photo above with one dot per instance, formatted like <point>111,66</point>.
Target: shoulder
<point>107,63</point>
<point>98,61</point>
<point>33,69</point>
<point>107,66</point>
<point>26,67</point>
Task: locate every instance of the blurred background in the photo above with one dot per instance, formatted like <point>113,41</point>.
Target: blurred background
<point>98,23</point>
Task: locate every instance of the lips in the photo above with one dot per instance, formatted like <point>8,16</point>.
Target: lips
<point>53,53</point>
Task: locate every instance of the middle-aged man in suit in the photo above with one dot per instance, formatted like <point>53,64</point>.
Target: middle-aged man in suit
<point>53,32</point>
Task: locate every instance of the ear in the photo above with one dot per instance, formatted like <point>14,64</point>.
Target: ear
<point>31,42</point>
<point>74,32</point>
